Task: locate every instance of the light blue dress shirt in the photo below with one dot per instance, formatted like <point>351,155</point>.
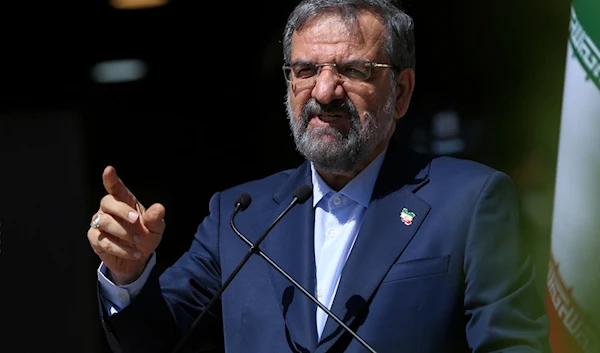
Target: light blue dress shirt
<point>338,217</point>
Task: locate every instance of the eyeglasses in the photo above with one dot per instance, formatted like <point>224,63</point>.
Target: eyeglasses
<point>304,74</point>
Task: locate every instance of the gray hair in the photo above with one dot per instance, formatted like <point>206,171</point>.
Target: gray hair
<point>400,43</point>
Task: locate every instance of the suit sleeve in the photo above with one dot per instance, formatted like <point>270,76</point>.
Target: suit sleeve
<point>161,315</point>
<point>504,310</point>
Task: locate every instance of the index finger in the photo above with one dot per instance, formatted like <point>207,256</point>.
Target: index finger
<point>115,186</point>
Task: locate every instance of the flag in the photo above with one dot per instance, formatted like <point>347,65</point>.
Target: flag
<point>573,286</point>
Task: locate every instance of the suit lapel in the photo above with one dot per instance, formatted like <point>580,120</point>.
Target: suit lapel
<point>291,246</point>
<point>381,240</point>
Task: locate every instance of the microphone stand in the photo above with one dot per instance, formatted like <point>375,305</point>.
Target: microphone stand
<point>300,196</point>
<point>254,249</point>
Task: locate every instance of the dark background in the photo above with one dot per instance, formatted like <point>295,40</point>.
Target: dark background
<point>209,115</point>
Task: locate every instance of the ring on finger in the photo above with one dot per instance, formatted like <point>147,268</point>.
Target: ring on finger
<point>95,223</point>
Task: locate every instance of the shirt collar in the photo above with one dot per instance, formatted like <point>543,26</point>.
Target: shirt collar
<point>359,189</point>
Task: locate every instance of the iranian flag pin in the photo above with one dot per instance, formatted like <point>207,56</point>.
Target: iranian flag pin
<point>407,217</point>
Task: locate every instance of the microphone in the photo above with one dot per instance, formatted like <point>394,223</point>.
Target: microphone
<point>303,193</point>
<point>241,203</point>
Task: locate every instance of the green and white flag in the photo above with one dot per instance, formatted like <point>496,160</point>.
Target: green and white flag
<point>574,277</point>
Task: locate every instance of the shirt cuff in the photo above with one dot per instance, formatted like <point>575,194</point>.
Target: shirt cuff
<point>118,297</point>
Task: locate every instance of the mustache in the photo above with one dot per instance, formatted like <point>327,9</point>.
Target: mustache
<point>312,107</point>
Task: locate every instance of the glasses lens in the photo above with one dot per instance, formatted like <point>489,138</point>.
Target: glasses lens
<point>287,73</point>
<point>304,71</point>
<point>358,71</point>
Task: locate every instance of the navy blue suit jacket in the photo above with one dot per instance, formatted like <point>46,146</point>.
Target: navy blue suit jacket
<point>458,279</point>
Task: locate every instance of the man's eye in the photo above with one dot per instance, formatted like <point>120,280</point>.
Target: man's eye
<point>353,71</point>
<point>305,72</point>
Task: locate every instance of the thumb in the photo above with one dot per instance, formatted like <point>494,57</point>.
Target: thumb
<point>154,218</point>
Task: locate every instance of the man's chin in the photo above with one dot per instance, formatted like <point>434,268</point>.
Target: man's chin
<point>325,140</point>
<point>324,135</point>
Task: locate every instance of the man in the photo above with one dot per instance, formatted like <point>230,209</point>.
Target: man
<point>413,254</point>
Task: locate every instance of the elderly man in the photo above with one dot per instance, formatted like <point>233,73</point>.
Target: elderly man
<point>400,252</point>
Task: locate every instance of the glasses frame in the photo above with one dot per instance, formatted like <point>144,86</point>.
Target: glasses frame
<point>369,64</point>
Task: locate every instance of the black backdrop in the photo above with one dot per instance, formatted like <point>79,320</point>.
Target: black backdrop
<point>209,115</point>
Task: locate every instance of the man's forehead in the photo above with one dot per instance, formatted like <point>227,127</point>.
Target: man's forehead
<point>333,30</point>
<point>327,31</point>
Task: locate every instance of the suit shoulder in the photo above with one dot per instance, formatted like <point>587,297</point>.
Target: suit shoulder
<point>457,168</point>
<point>463,174</point>
<point>453,181</point>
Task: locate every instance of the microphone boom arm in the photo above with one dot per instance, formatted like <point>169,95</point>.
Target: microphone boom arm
<point>300,196</point>
<point>254,249</point>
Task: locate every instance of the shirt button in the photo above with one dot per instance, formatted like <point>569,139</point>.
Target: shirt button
<point>319,294</point>
<point>332,233</point>
<point>337,201</point>
<point>124,297</point>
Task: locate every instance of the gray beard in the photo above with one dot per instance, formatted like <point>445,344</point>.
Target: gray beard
<point>347,151</point>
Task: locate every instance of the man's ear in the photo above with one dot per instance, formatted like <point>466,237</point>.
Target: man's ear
<point>405,85</point>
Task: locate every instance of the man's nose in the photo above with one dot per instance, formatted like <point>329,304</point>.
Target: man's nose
<point>328,86</point>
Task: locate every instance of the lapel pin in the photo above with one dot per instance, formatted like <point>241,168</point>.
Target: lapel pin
<point>407,217</point>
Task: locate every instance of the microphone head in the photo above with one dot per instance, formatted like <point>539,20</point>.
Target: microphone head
<point>303,193</point>
<point>242,201</point>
